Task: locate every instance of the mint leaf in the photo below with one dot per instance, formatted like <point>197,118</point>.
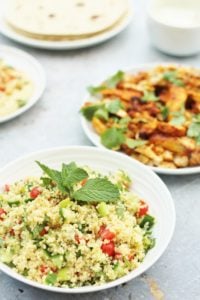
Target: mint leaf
<point>89,111</point>
<point>131,143</point>
<point>54,175</point>
<point>102,114</point>
<point>149,96</point>
<point>97,190</point>
<point>93,90</point>
<point>112,138</point>
<point>171,76</point>
<point>112,81</point>
<point>71,174</point>
<point>114,106</point>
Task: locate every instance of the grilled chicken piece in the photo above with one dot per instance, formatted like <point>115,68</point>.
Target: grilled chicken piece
<point>174,97</point>
<point>122,94</point>
<point>168,143</point>
<point>171,130</point>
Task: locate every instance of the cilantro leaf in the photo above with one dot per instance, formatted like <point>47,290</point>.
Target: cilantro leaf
<point>178,120</point>
<point>112,138</point>
<point>171,76</point>
<point>149,96</point>
<point>165,112</point>
<point>89,111</point>
<point>97,190</point>
<point>114,106</point>
<point>93,90</point>
<point>102,114</point>
<point>112,81</point>
<point>71,174</point>
<point>131,143</point>
<point>54,175</point>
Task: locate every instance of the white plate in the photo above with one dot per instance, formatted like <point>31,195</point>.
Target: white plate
<point>95,139</point>
<point>30,66</point>
<point>64,45</point>
<point>145,183</point>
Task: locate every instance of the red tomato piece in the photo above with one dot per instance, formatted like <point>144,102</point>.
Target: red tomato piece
<point>118,255</point>
<point>106,234</point>
<point>35,192</point>
<point>2,212</point>
<point>108,248</point>
<point>12,232</point>
<point>143,209</point>
<point>43,269</point>
<point>6,188</point>
<point>43,231</point>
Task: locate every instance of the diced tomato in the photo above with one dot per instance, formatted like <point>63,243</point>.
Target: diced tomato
<point>143,209</point>
<point>131,256</point>
<point>83,182</point>
<point>6,188</point>
<point>106,234</point>
<point>54,269</point>
<point>43,269</point>
<point>118,255</point>
<point>108,248</point>
<point>12,232</point>
<point>43,231</point>
<point>2,212</point>
<point>35,192</point>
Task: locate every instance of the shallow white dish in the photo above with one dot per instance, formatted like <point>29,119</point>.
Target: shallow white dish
<point>145,183</point>
<point>95,139</point>
<point>30,66</point>
<point>6,30</point>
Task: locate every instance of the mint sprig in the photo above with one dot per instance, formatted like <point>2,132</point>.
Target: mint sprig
<point>112,138</point>
<point>95,190</point>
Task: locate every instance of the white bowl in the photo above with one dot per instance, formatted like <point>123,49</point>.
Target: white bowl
<point>95,138</point>
<point>172,36</point>
<point>26,63</point>
<point>145,183</point>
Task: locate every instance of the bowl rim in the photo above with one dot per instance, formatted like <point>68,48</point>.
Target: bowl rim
<point>131,275</point>
<point>136,68</point>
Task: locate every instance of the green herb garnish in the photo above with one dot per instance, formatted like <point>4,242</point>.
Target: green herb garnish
<point>147,222</point>
<point>89,110</point>
<point>194,129</point>
<point>149,96</point>
<point>171,76</point>
<point>111,82</point>
<point>112,138</point>
<point>179,118</point>
<point>114,106</point>
<point>102,114</point>
<point>97,190</point>
<point>131,143</point>
<point>94,190</point>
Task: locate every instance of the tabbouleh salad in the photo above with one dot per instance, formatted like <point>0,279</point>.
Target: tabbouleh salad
<point>73,227</point>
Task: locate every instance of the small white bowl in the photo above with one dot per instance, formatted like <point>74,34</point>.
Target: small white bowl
<point>145,183</point>
<point>26,63</point>
<point>174,26</point>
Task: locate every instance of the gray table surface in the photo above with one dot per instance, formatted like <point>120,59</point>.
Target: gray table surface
<point>54,121</point>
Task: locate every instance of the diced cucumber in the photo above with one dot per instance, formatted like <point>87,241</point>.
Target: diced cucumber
<point>51,279</point>
<point>12,202</point>
<point>102,209</point>
<point>57,260</point>
<point>63,275</point>
<point>63,213</point>
<point>65,203</point>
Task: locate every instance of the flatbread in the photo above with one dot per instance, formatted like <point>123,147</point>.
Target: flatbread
<point>66,37</point>
<point>64,17</point>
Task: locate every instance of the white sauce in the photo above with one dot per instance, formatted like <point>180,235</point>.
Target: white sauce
<point>177,16</point>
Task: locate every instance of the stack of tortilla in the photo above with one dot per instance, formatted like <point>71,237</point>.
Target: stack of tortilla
<point>59,20</point>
